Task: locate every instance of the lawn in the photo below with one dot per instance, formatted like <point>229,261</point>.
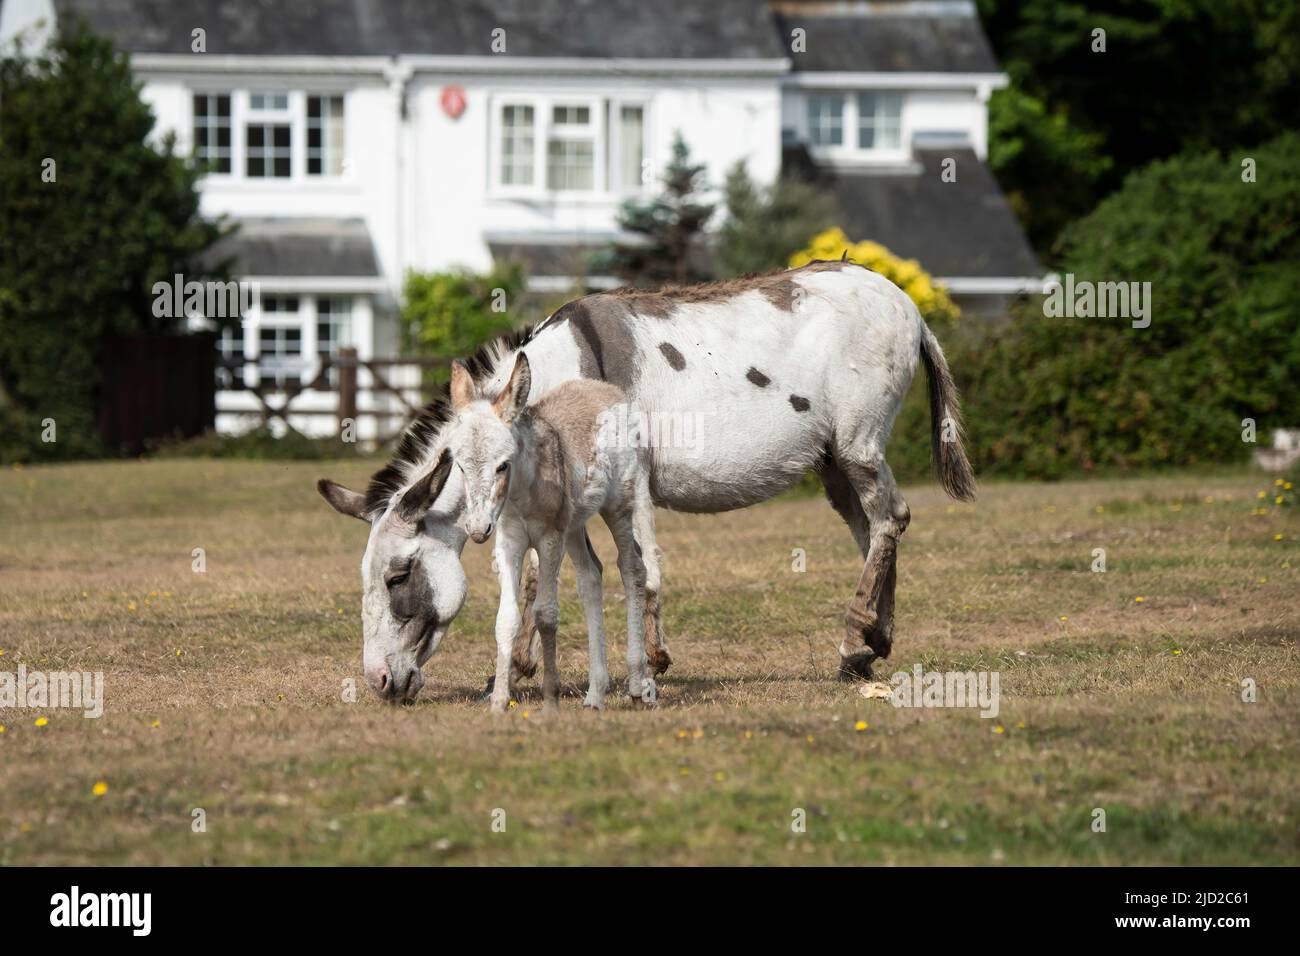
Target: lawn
<point>226,690</point>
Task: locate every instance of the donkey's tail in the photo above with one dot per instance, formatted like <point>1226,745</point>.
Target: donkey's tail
<point>946,432</point>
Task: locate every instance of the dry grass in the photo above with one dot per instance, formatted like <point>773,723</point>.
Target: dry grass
<point>224,689</point>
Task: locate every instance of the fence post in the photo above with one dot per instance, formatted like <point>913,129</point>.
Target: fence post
<point>347,368</point>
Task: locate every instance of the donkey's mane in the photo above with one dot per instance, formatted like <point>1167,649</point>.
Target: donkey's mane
<point>419,441</point>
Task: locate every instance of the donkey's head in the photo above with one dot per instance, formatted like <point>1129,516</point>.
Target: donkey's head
<point>412,580</point>
<point>484,444</point>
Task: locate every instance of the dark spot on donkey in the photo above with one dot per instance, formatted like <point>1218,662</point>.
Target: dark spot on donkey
<point>674,357</point>
<point>758,378</point>
<point>606,349</point>
<point>799,403</point>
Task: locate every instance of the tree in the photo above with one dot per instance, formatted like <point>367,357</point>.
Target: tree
<point>91,216</point>
<point>1047,396</point>
<point>765,226</point>
<point>1173,77</point>
<point>666,229</point>
<point>450,314</point>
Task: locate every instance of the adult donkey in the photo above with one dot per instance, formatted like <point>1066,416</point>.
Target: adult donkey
<point>776,374</point>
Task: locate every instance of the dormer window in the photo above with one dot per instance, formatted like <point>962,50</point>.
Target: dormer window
<point>866,124</point>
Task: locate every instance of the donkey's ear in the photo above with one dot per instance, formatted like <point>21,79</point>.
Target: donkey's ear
<point>419,498</point>
<point>514,396</point>
<point>462,385</point>
<point>343,500</point>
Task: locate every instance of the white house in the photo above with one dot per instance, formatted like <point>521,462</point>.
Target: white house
<point>354,140</point>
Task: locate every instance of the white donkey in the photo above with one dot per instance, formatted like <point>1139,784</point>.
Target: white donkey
<point>772,375</point>
<point>537,474</point>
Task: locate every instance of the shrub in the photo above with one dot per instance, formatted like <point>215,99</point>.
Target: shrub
<point>450,314</point>
<point>765,226</point>
<point>1048,397</point>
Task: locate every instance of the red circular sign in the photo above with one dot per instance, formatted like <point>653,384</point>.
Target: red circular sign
<point>453,101</point>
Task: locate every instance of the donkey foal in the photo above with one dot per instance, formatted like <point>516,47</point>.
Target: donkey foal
<point>537,473</point>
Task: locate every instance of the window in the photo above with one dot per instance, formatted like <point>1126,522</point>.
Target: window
<point>333,327</point>
<point>267,137</point>
<point>325,136</point>
<point>626,147</point>
<point>571,150</point>
<point>212,131</point>
<point>231,346</point>
<point>556,144</point>
<point>279,341</point>
<point>517,146</point>
<point>880,121</point>
<point>826,119</point>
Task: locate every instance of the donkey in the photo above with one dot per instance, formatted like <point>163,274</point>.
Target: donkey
<point>785,372</point>
<point>538,473</point>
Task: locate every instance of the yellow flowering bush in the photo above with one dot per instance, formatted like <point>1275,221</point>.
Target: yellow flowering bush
<point>907,274</point>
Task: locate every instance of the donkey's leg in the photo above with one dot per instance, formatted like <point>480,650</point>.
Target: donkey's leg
<point>511,543</point>
<point>656,645</point>
<point>550,552</point>
<point>591,591</point>
<point>869,623</point>
<point>527,642</point>
<point>631,567</point>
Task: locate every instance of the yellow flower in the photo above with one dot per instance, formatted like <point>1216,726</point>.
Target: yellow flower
<point>860,725</point>
<point>42,721</point>
<point>513,704</point>
<point>178,652</point>
<point>1287,486</point>
<point>130,605</point>
<point>99,789</point>
<point>156,724</point>
<point>999,729</point>
<point>1139,599</point>
<point>1277,482</point>
<point>697,733</point>
<point>2,728</point>
<point>1277,537</point>
<point>524,715</point>
<point>1278,500</point>
<point>153,593</point>
<point>1262,494</point>
<point>1099,509</point>
<point>682,735</point>
<point>1064,618</point>
<point>810,738</point>
<point>749,734</point>
<point>719,776</point>
<point>1021,725</point>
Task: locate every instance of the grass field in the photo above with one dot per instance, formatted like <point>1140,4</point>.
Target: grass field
<point>224,690</point>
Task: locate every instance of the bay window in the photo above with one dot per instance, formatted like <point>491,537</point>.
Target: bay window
<point>563,144</point>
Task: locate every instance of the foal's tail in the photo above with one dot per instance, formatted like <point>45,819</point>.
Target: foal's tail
<point>946,450</point>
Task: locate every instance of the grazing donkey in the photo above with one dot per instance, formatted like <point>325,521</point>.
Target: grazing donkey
<point>777,374</point>
<point>538,473</point>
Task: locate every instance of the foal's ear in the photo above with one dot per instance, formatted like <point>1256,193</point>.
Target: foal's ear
<point>419,498</point>
<point>343,500</point>
<point>514,396</point>
<point>462,386</point>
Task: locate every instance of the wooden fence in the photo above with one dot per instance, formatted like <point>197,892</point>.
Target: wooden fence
<point>339,374</point>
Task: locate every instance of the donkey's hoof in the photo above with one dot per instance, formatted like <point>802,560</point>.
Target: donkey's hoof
<point>856,667</point>
<point>659,660</point>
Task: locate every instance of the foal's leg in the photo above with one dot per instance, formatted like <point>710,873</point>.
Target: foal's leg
<point>511,543</point>
<point>591,591</point>
<point>527,641</point>
<point>631,567</point>
<point>869,623</point>
<point>550,552</point>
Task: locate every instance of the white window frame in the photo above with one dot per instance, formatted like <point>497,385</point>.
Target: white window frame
<point>294,115</point>
<point>544,130</point>
<point>850,149</point>
<point>211,126</point>
<point>614,107</point>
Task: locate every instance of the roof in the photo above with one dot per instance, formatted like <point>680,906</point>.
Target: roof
<point>963,228</point>
<point>883,40</point>
<point>337,248</point>
<point>547,258</point>
<point>664,29</point>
